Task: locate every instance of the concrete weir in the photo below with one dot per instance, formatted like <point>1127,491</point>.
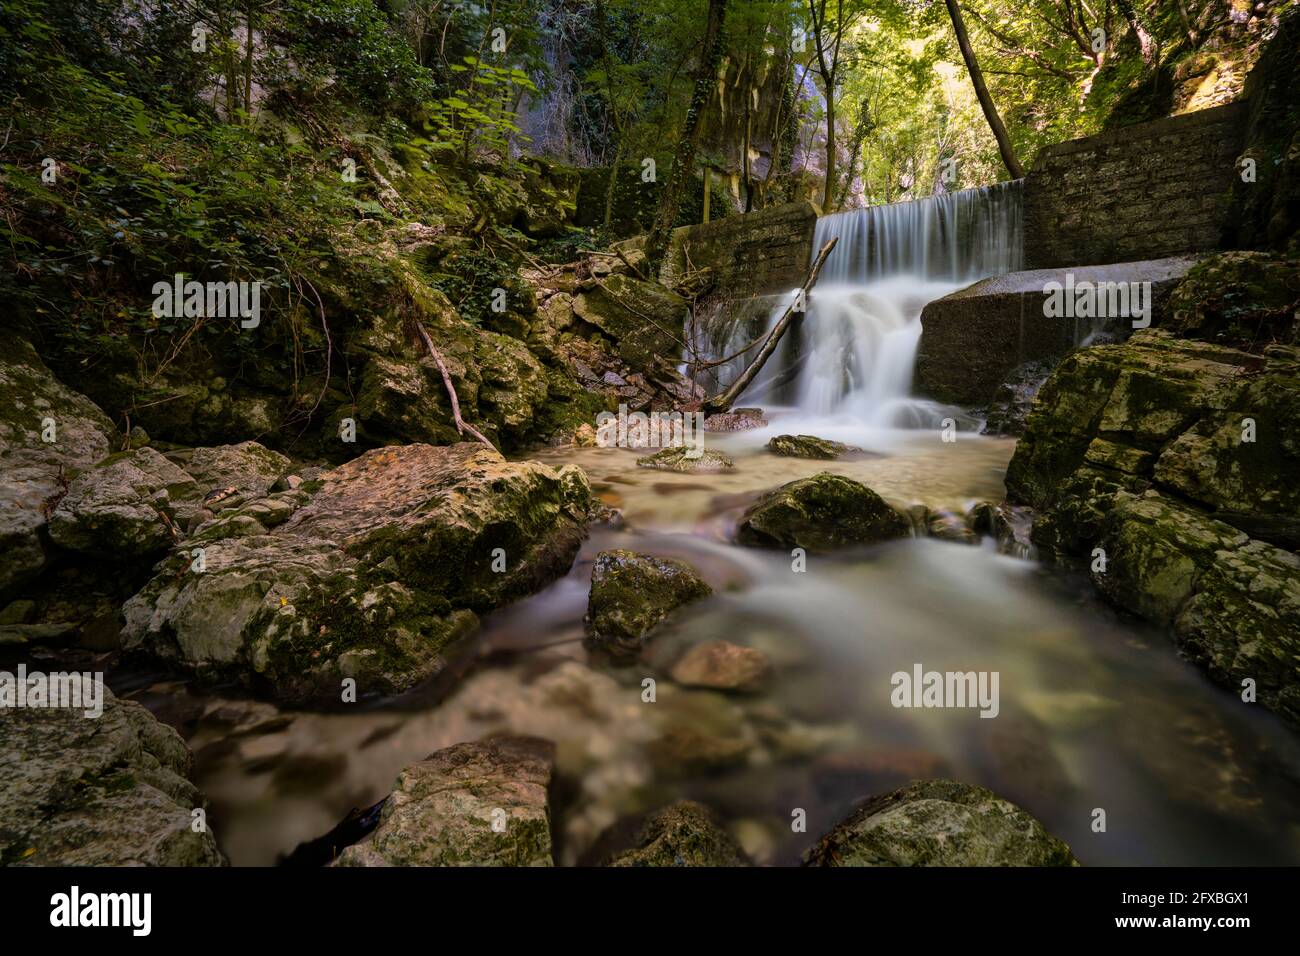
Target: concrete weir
<point>974,338</point>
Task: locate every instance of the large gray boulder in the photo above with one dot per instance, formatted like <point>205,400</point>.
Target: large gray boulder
<point>34,472</point>
<point>471,804</point>
<point>939,823</point>
<point>125,506</point>
<point>383,568</point>
<point>112,790</point>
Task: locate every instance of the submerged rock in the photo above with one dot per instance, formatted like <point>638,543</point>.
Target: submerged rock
<point>472,804</point>
<point>681,834</point>
<point>736,420</point>
<point>808,446</point>
<point>820,513</point>
<point>722,665</point>
<point>632,593</point>
<point>679,459</point>
<point>373,579</point>
<point>112,790</point>
<point>939,823</point>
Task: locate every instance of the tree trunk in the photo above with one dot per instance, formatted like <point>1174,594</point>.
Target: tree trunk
<point>828,195</point>
<point>684,161</point>
<point>982,92</point>
<point>724,401</point>
<point>1145,42</point>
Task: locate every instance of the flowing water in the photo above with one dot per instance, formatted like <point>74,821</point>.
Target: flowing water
<point>1094,712</point>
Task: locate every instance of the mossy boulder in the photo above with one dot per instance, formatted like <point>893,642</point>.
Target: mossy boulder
<point>681,459</point>
<point>483,803</point>
<point>124,507</point>
<point>684,833</point>
<point>374,578</point>
<point>631,594</point>
<point>808,446</point>
<point>1140,394</point>
<point>1242,299</point>
<point>248,467</point>
<point>644,319</point>
<point>112,790</point>
<point>821,513</point>
<point>940,823</point>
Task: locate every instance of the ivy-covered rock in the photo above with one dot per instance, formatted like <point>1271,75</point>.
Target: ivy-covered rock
<point>632,593</point>
<point>821,513</point>
<point>112,790</point>
<point>808,446</point>
<point>484,803</point>
<point>373,579</point>
<point>1242,299</point>
<point>939,823</point>
<point>681,834</point>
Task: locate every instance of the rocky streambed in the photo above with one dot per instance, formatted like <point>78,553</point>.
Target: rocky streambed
<point>432,654</point>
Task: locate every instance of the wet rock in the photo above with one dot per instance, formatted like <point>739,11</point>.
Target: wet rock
<point>939,823</point>
<point>632,593</point>
<point>380,573</point>
<point>107,791</point>
<point>125,506</point>
<point>35,473</point>
<point>472,804</point>
<point>722,665</point>
<point>679,459</point>
<point>684,751</point>
<point>821,513</point>
<point>808,446</point>
<point>950,526</point>
<point>682,834</point>
<point>1014,398</point>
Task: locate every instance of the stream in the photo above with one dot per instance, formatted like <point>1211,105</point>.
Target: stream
<point>1097,717</point>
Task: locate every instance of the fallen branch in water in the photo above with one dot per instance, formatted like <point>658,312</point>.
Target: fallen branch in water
<point>723,402</point>
<point>462,426</point>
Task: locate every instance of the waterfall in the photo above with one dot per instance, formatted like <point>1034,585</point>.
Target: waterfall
<point>853,353</point>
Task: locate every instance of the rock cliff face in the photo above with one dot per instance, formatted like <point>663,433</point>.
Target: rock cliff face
<point>1172,468</point>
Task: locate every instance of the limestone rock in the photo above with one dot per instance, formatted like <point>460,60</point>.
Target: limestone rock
<point>373,579</point>
<point>821,513</point>
<point>248,467</point>
<point>939,823</point>
<point>633,593</point>
<point>125,506</point>
<point>643,318</point>
<point>35,473</point>
<point>472,804</point>
<point>113,790</point>
<point>681,834</point>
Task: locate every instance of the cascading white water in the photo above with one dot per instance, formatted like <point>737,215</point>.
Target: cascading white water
<point>853,354</point>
